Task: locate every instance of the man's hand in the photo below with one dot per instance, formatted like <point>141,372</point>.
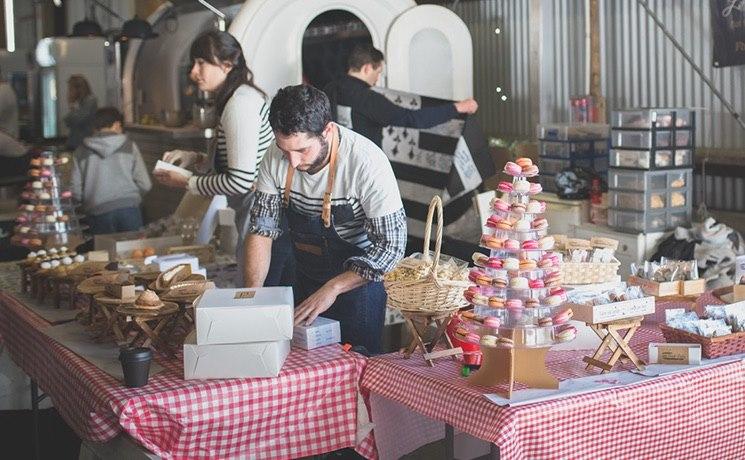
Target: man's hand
<point>468,106</point>
<point>171,179</point>
<point>184,158</point>
<point>317,303</point>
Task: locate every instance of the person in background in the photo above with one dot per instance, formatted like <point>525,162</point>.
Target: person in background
<point>83,105</point>
<point>8,109</point>
<point>109,177</point>
<point>243,136</point>
<point>356,106</point>
<point>344,211</point>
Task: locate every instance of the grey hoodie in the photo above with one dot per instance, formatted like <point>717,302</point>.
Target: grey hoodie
<point>108,173</point>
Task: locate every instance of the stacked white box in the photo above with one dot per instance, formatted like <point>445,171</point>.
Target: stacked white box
<point>240,333</point>
<point>322,332</point>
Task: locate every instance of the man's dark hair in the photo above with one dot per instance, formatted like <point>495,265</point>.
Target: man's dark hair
<point>364,54</point>
<point>106,116</point>
<point>299,109</point>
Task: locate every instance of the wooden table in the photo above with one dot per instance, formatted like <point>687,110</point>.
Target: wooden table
<point>148,324</point>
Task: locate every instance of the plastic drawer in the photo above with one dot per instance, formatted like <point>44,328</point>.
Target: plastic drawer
<point>651,118</point>
<point>647,222</point>
<point>650,139</point>
<point>679,178</point>
<point>651,159</point>
<point>638,201</point>
<point>570,149</point>
<point>554,166</point>
<point>636,180</point>
<point>573,131</point>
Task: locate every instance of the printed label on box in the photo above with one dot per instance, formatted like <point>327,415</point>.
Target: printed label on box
<point>675,353</point>
<point>245,295</point>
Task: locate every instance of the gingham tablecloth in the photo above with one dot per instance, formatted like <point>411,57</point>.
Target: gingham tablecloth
<point>311,408</point>
<point>698,414</point>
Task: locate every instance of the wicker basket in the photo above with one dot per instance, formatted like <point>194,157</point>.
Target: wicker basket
<point>428,294</point>
<point>711,347</point>
<point>589,272</point>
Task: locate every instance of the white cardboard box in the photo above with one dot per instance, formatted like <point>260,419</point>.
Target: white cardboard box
<point>594,314</point>
<point>244,315</point>
<point>233,360</point>
<point>122,244</point>
<point>164,263</point>
<point>322,332</point>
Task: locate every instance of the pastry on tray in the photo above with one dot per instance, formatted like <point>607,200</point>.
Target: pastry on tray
<point>148,300</point>
<point>172,276</point>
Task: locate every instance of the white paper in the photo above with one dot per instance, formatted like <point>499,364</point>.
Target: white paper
<point>210,219</point>
<point>161,165</point>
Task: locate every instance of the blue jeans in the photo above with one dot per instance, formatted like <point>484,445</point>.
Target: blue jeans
<point>118,220</point>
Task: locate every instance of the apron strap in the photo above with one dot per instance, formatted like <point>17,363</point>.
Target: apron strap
<point>326,209</point>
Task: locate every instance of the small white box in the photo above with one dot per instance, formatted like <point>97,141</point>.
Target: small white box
<point>244,315</point>
<point>161,165</point>
<point>593,314</point>
<point>322,332</point>
<point>164,263</point>
<point>234,360</point>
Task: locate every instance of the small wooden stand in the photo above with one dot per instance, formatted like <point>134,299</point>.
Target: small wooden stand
<point>148,325</point>
<point>418,324</point>
<point>501,365</point>
<point>613,341</point>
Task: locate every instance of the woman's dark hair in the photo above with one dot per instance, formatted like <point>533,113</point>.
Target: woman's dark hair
<point>78,88</point>
<point>217,47</point>
<point>105,118</point>
<point>300,109</point>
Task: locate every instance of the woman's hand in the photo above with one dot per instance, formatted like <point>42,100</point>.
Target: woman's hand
<point>185,158</point>
<point>171,179</point>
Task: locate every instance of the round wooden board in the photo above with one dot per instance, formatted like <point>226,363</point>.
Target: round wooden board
<point>168,308</point>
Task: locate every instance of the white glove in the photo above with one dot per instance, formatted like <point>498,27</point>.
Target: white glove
<point>185,158</point>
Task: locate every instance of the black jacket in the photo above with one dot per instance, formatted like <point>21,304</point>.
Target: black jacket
<point>371,111</point>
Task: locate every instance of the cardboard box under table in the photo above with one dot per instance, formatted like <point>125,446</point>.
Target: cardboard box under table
<point>244,315</point>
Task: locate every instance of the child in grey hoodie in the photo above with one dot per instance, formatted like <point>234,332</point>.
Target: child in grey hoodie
<point>109,176</point>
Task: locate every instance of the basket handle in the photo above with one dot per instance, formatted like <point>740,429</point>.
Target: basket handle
<point>436,203</point>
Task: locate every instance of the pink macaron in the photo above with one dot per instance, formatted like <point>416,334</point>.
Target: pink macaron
<point>536,284</point>
<point>514,304</point>
<point>66,194</point>
<point>493,262</point>
<point>472,337</point>
<point>530,171</point>
<point>539,224</point>
<point>504,187</point>
<point>493,220</point>
<point>511,244</point>
<point>513,169</point>
<point>500,205</point>
<point>492,322</point>
<point>530,244</point>
<point>535,188</point>
<point>563,317</point>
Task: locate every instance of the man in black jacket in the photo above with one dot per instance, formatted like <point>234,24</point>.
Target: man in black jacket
<point>356,106</point>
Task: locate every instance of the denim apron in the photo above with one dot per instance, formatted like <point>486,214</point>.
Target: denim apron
<point>320,254</point>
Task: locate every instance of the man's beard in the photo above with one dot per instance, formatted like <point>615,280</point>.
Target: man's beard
<point>320,160</point>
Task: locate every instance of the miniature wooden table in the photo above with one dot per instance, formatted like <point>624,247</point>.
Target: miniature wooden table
<point>63,289</point>
<point>612,340</point>
<point>108,307</point>
<point>148,325</point>
<point>419,323</point>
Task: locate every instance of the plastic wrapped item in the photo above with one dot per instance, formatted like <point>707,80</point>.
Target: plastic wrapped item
<point>572,131</point>
<point>666,270</point>
<point>417,266</point>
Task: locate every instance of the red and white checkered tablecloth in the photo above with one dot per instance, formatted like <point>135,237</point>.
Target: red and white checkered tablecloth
<point>311,408</point>
<point>697,414</point>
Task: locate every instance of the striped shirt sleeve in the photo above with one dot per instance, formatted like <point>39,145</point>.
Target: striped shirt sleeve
<point>243,138</point>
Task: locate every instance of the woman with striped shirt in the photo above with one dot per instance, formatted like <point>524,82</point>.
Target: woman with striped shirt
<point>243,136</point>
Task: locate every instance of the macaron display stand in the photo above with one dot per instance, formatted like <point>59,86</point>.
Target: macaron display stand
<point>47,215</point>
<point>517,296</point>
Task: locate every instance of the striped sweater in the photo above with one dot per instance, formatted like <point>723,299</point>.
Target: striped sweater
<point>243,136</point>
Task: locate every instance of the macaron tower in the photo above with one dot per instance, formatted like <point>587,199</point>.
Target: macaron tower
<point>47,214</point>
<point>517,295</point>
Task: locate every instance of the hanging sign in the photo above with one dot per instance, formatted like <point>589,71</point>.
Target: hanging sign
<point>728,31</point>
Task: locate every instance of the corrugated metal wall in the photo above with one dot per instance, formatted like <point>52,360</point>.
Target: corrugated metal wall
<point>641,67</point>
<point>500,61</point>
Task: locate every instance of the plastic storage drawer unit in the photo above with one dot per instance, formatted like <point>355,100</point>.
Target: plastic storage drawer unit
<point>651,159</point>
<point>652,118</point>
<point>556,165</point>
<point>650,200</point>
<point>573,131</point>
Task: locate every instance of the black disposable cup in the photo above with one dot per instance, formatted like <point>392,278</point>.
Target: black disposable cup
<point>136,365</point>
